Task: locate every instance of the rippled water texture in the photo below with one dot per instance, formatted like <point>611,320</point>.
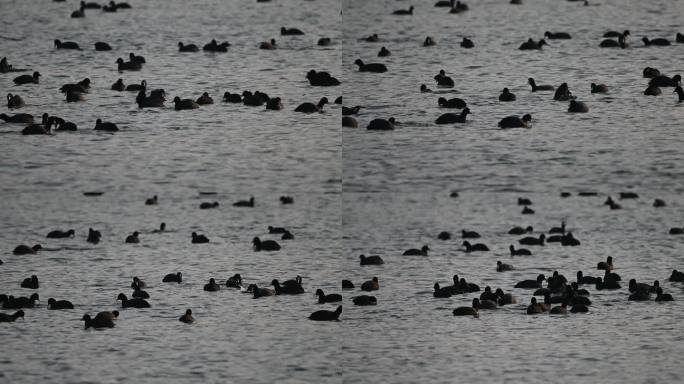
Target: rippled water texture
<point>355,192</point>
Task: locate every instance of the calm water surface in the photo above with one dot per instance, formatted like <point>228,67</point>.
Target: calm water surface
<point>355,192</point>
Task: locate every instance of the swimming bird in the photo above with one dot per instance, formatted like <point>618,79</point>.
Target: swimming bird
<point>199,239</point>
<point>474,247</point>
<point>569,240</point>
<point>72,97</point>
<point>364,300</point>
<point>118,86</point>
<point>59,304</point>
<point>660,42</point>
<point>441,292</point>
<point>39,129</point>
<point>245,203</point>
<point>608,284</point>
<point>530,44</point>
<point>132,303</point>
<point>450,118</point>
<point>370,285</point>
<point>506,95</point>
<point>599,88</point>
<point>105,126</point>
<point>563,93</point>
<point>209,205</point>
<point>81,87</point>
<point>173,278</point>
<point>311,108</point>
<point>102,46</point>
<point>66,45</point>
<point>214,46</point>
<point>324,42</point>
<point>269,45</point>
<point>680,93</point>
<point>520,230</point>
<point>183,104</point>
<point>370,67</point>
<point>152,200</point>
<point>371,260</point>
<point>444,235</point>
<point>6,318</point>
<point>331,298</point>
<point>665,81</point>
<point>467,43</point>
<point>265,245</point>
<point>133,238</point>
<point>187,317</point>
<point>18,118</point>
<point>501,267</point>
<point>234,281</point>
<point>423,251</point>
<point>20,302</point>
<point>527,211</point>
<point>577,106</point>
<point>324,315</point>
<point>606,265</point>
<point>321,79</point>
<point>58,234</point>
<point>451,103</point>
<point>660,296</point>
<point>424,89</point>
<point>232,97</point>
<point>676,276</point>
<point>443,80</point>
<point>679,38</point>
<point>128,65</point>
<point>557,35</point>
<point>205,99</point>
<point>531,284</point>
<point>212,286</point>
<point>139,293</point>
<point>372,38</point>
<point>536,87</point>
<point>519,251</point>
<point>651,72</point>
<point>290,31</point>
<point>79,13</point>
<point>384,52</point>
<point>94,236</point>
<point>133,58</point>
<point>30,282</point>
<point>187,48</point>
<point>260,292</point>
<point>529,240</point>
<point>27,79</point>
<point>26,250</point>
<point>381,125</point>
<point>610,43</point>
<point>14,101</point>
<point>468,311</point>
<point>350,111</point>
<point>287,289</point>
<point>560,229</point>
<point>404,11</point>
<point>101,320</point>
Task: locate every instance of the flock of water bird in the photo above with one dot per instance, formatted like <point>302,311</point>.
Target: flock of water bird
<point>558,290</point>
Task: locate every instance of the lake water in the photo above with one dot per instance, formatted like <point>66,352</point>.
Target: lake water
<point>355,191</point>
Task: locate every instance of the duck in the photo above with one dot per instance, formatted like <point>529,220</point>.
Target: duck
<point>137,283</point>
<point>324,42</point>
<point>557,35</point>
<point>425,89</point>
<point>59,304</point>
<point>676,276</point>
<point>606,265</point>
<point>20,302</point>
<point>5,318</point>
<point>187,317</point>
<point>679,38</point>
<point>101,320</point>
<point>381,125</point>
<point>118,86</point>
<point>520,230</point>
<point>290,31</point>
<point>272,229</point>
<point>105,126</point>
<point>173,278</point>
<point>535,308</point>
<point>536,87</point>
<point>30,282</point>
<point>245,203</point>
<point>79,13</point>
<point>152,200</point>
<point>652,90</point>
<point>530,44</point>
<point>350,111</point>
<point>209,205</point>
<point>14,101</point>
<point>444,235</point>
<point>370,67</point>
<point>581,279</point>
<point>680,93</point>
<point>451,118</point>
<point>138,293</point>
<point>133,238</point>
<point>346,284</point>
<point>577,107</point>
<point>370,285</point>
<point>324,315</point>
<point>374,38</point>
<point>505,298</point>
<point>251,100</point>
<point>515,122</point>
<point>93,236</point>
<point>187,48</point>
<point>287,289</point>
<point>81,87</point>
<point>478,247</point>
<point>384,52</point>
<point>212,286</point>
<point>232,97</point>
<point>266,245</point>
<point>660,42</point>
<point>260,292</point>
<point>563,93</point>
<point>559,309</point>
<point>109,8</point>
<point>404,11</point>
<point>423,251</point>
<point>66,45</point>
<point>59,234</point>
<point>214,46</point>
<point>205,99</point>
<point>364,300</point>
<point>268,44</point>
<point>331,298</point>
<point>443,80</point>
<point>660,296</point>
<point>506,95</point>
<point>311,108</point>
<point>441,292</point>
<point>639,295</point>
<point>17,118</point>
<point>608,284</point>
<point>531,284</point>
<point>676,231</point>
<point>501,267</point>
<point>321,79</point>
<point>560,229</point>
<point>128,65</point>
<point>234,281</point>
<point>599,88</point>
<point>39,129</point>
<point>529,240</point>
<point>27,79</point>
<point>651,72</point>
<point>133,58</point>
<point>26,250</point>
<point>102,46</point>
<point>616,33</point>
<point>199,239</point>
<point>371,260</point>
<point>445,3</point>
<point>612,204</point>
<point>610,43</point>
<point>519,251</point>
<point>569,240</point>
<point>451,103</point>
<point>183,104</point>
<point>132,303</point>
<point>468,311</point>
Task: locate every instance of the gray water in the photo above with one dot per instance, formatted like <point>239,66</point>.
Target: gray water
<point>355,192</point>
